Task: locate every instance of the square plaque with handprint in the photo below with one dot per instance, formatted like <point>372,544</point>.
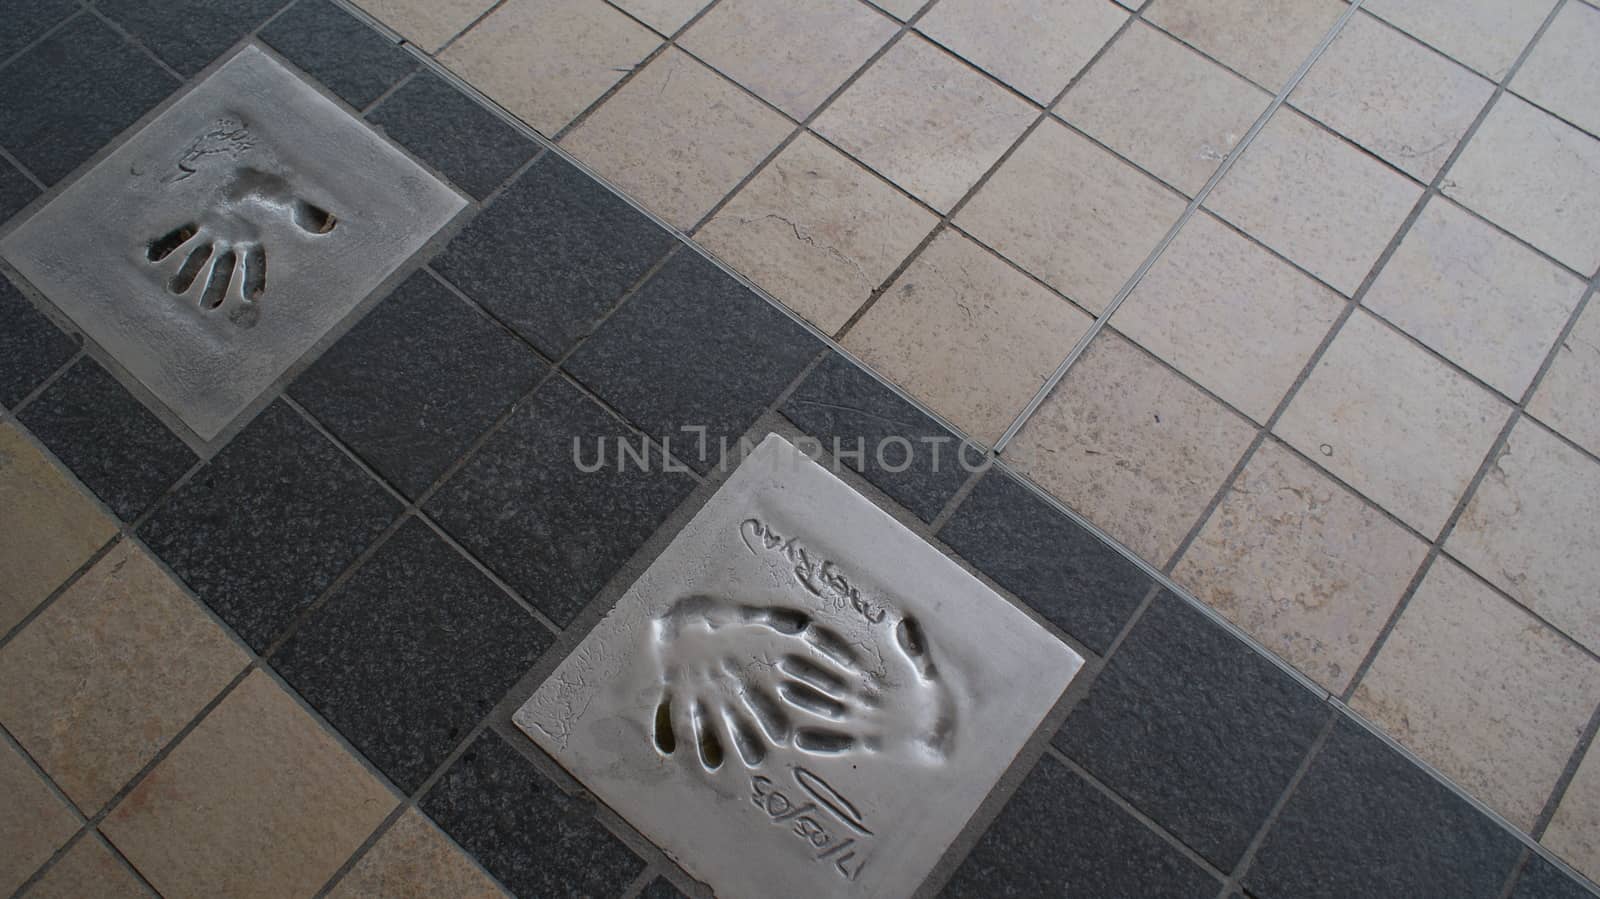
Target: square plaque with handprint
<point>224,239</point>
<point>800,696</point>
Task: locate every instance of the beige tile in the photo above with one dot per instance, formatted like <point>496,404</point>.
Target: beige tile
<point>1481,690</point>
<point>665,16</point>
<point>792,53</point>
<point>1393,96</point>
<point>1301,564</point>
<point>1565,398</point>
<point>48,527</point>
<point>548,60</point>
<point>1537,177</point>
<point>1563,73</point>
<point>426,23</point>
<point>34,822</point>
<point>967,334</point>
<point>900,9</point>
<point>1485,34</point>
<point>414,860</point>
<point>88,870</point>
<point>1264,40</point>
<point>110,673</point>
<point>1229,314</point>
<point>1071,213</point>
<point>1316,199</point>
<point>1034,47</point>
<point>1531,529</point>
<point>1394,422</point>
<point>1574,832</point>
<point>1132,446</point>
<point>1481,299</point>
<point>1164,106</point>
<point>926,120</point>
<point>258,800</point>
<point>817,231</point>
<point>678,137</point>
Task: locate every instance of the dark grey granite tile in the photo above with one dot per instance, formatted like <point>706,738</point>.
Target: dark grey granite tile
<point>189,34</point>
<point>553,254</point>
<point>27,20</point>
<point>1195,729</point>
<point>109,439</point>
<point>660,888</point>
<point>345,54</point>
<point>1541,880</point>
<point>1059,836</point>
<point>453,133</point>
<point>694,349</point>
<point>16,191</point>
<point>1365,821</point>
<point>410,653</point>
<point>268,524</point>
<point>897,447</point>
<point>417,381</point>
<point>72,93</point>
<point>1065,573</point>
<point>31,347</point>
<point>554,532</point>
<point>538,840</point>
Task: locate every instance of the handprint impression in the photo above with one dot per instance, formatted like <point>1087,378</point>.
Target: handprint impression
<point>755,678</point>
<point>227,240</point>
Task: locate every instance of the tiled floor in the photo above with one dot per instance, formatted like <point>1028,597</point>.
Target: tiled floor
<point>1291,299</point>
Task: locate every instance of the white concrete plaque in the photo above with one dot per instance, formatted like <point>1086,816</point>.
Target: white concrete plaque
<point>800,697</point>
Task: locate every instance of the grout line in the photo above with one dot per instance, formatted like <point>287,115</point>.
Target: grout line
<point>47,34</point>
<point>1235,878</point>
<point>1558,793</point>
<point>139,45</point>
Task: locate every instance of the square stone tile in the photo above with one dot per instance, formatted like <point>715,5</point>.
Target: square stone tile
<point>902,451</point>
<point>31,347</point>
<point>1318,200</point>
<point>1537,177</point>
<point>1112,853</point>
<point>347,55</point>
<point>1564,400</point>
<point>414,860</point>
<point>1395,423</point>
<point>73,92</point>
<point>536,839</point>
<point>1229,314</point>
<point>189,34</point>
<point>1164,106</point>
<point>108,674</point>
<point>660,888</point>
<point>1487,35</point>
<point>1542,880</point>
<point>48,528</point>
<point>268,523</point>
<point>1036,48</point>
<point>1393,96</point>
<point>1074,215</point>
<point>1478,297</point>
<point>556,533</point>
<point>553,254</point>
<point>36,821</point>
<point>817,231</point>
<point>450,131</point>
<point>28,20</point>
<point>678,137</point>
<point>1531,530</point>
<point>16,191</point>
<point>791,53</point>
<point>89,869</point>
<point>1302,565</point>
<point>1563,74</point>
<point>693,349</point>
<point>410,653</point>
<point>1366,821</point>
<point>107,438</point>
<point>1263,41</point>
<point>1574,832</point>
<point>1131,446</point>
<point>548,60</point>
<point>429,24</point>
<point>1052,563</point>
<point>1196,729</point>
<point>926,121</point>
<point>665,16</point>
<point>414,384</point>
<point>1502,724</point>
<point>967,334</point>
<point>258,800</point>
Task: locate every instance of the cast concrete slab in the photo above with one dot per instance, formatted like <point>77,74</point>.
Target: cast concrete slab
<point>217,245</point>
<point>799,676</point>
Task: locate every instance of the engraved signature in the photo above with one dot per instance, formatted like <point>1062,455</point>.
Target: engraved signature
<point>821,577</point>
<point>824,822</point>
